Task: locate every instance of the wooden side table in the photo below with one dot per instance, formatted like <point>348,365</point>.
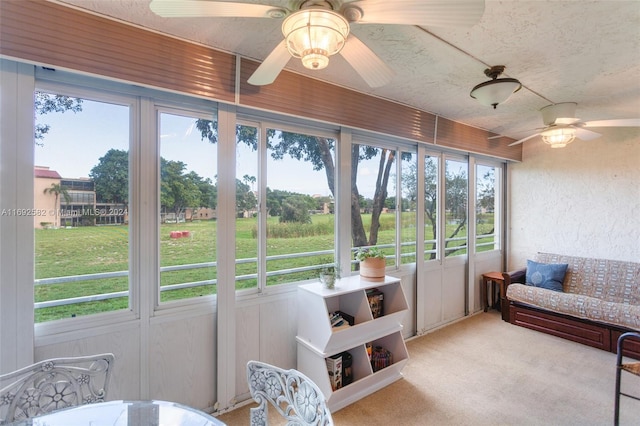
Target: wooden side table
<point>490,279</point>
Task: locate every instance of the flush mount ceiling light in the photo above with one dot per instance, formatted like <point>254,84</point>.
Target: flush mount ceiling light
<point>497,90</point>
<point>559,137</point>
<point>315,34</point>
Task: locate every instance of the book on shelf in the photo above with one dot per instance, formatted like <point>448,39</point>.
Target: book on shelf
<point>376,302</point>
<point>340,320</point>
<point>334,368</point>
<point>380,358</point>
<point>347,371</point>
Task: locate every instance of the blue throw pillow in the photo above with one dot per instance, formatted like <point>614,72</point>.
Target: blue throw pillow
<point>546,275</point>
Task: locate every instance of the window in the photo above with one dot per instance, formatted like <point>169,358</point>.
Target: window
<point>456,191</point>
<point>431,173</point>
<point>188,200</point>
<point>300,179</point>
<point>486,212</point>
<point>284,205</point>
<point>407,206</point>
<point>247,237</point>
<point>373,196</point>
<point>81,202</point>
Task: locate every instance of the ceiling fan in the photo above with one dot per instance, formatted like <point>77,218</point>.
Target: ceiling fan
<point>314,30</point>
<point>561,126</point>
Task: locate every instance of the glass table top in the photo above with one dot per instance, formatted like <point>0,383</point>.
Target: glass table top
<point>125,413</point>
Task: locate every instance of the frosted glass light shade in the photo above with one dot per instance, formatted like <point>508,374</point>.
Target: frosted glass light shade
<point>315,34</point>
<point>496,91</point>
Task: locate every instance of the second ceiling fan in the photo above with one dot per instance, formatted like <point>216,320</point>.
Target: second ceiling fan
<point>562,127</point>
<point>314,30</point>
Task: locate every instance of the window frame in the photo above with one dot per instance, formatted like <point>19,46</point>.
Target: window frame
<point>499,189</point>
<point>399,146</point>
<point>132,312</point>
<point>144,159</point>
<point>467,160</point>
<point>264,122</point>
<point>189,111</point>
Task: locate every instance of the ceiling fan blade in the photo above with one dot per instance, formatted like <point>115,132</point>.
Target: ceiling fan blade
<point>431,13</point>
<point>269,69</point>
<point>624,122</point>
<point>524,139</point>
<point>565,120</point>
<point>198,8</point>
<point>586,135</point>
<point>366,63</point>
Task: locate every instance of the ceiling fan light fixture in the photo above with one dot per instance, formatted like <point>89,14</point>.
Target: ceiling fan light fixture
<point>315,34</point>
<point>497,90</point>
<point>315,59</point>
<point>559,138</point>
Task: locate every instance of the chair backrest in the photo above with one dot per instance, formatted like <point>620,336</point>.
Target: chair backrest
<point>296,397</point>
<point>53,384</point>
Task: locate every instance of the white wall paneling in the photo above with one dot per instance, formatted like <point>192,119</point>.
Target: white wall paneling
<point>17,84</point>
<point>181,354</point>
<point>123,340</point>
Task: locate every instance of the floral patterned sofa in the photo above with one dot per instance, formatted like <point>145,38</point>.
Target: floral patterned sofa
<point>598,301</point>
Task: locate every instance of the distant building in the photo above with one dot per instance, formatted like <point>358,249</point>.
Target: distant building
<point>44,203</point>
<point>80,208</point>
<point>205,213</point>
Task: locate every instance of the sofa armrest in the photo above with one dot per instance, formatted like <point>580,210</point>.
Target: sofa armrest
<point>516,276</point>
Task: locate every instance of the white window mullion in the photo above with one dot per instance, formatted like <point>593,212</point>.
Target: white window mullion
<point>421,292</point>
<point>262,208</point>
<point>498,209</point>
<point>226,231</point>
<point>441,234</point>
<point>471,234</point>
<point>343,200</point>
<point>399,240</point>
<point>145,246</point>
<point>16,232</point>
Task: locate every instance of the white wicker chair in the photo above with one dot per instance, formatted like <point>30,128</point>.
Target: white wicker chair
<point>53,384</point>
<point>293,394</point>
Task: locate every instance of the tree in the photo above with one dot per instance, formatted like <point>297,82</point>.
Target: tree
<point>295,209</point>
<point>246,200</point>
<point>456,199</point>
<point>249,180</point>
<point>111,177</point>
<point>486,192</point>
<point>318,151</point>
<point>56,189</point>
<point>208,191</point>
<point>45,103</point>
<point>178,190</point>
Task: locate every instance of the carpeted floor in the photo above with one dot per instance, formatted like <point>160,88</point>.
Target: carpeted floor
<point>483,371</point>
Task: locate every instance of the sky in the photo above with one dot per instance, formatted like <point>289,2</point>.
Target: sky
<point>76,141</point>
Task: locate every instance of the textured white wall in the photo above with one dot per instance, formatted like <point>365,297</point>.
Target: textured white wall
<point>582,200</point>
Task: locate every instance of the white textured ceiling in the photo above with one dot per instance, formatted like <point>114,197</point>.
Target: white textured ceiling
<point>561,51</point>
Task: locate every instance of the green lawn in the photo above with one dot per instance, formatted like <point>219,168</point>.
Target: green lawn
<point>97,249</point>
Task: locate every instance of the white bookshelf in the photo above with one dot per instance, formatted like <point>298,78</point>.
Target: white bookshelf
<point>317,340</point>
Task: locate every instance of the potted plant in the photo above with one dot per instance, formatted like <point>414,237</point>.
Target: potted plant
<point>372,262</point>
<point>329,274</point>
